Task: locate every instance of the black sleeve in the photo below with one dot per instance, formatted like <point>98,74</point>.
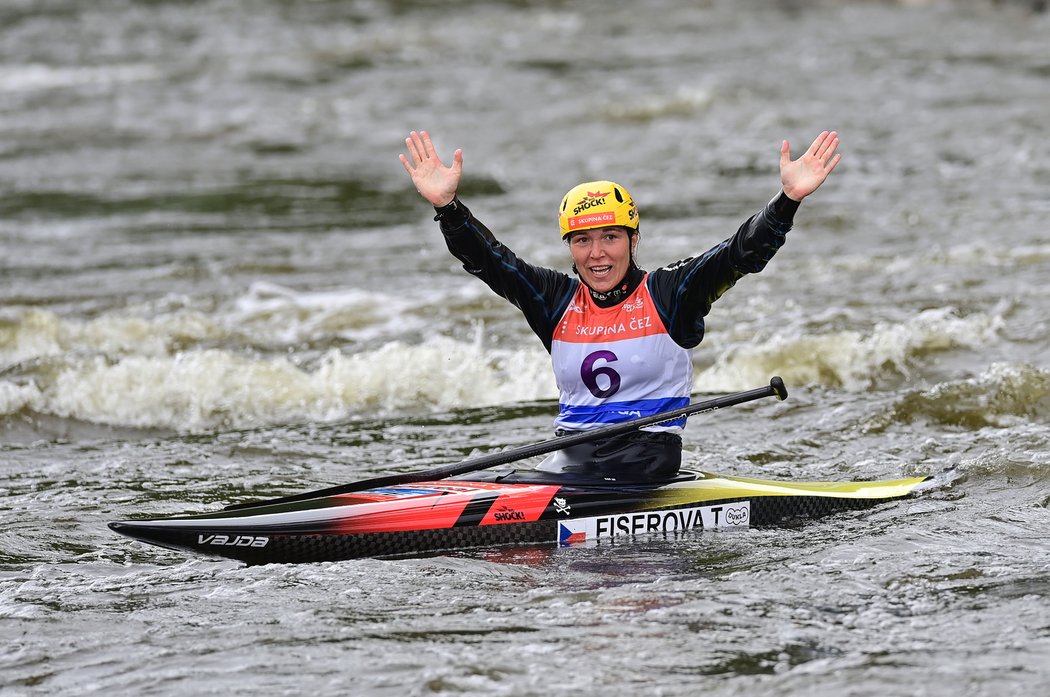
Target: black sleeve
<point>541,294</point>
<point>685,290</point>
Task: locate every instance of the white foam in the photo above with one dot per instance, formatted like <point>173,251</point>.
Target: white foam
<point>267,315</point>
<point>186,371</point>
<point>277,314</point>
<point>847,359</point>
<point>35,334</point>
<point>14,398</point>
<point>210,389</point>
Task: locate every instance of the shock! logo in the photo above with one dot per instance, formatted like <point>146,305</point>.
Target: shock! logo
<point>506,514</point>
<point>592,199</point>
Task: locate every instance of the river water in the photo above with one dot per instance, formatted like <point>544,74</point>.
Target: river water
<point>218,285</point>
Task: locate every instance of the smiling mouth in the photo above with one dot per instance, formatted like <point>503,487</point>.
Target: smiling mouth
<point>600,270</point>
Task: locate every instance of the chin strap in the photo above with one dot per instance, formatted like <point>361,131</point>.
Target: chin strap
<point>622,291</point>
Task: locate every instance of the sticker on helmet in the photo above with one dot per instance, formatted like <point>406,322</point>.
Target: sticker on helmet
<point>592,220</point>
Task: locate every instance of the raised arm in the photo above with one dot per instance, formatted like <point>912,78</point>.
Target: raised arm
<point>803,176</point>
<point>433,180</point>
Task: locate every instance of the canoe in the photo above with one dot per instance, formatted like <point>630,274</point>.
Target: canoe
<point>453,514</point>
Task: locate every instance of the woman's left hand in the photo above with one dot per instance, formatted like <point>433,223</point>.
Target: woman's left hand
<point>803,176</point>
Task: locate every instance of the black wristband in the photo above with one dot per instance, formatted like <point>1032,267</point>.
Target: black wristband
<point>450,207</point>
<point>452,216</point>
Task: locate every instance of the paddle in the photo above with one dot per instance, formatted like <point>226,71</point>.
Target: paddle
<point>775,388</point>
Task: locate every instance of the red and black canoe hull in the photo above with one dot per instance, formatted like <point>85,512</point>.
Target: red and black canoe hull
<point>434,517</point>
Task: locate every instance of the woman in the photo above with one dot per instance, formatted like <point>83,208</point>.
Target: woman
<point>620,338</point>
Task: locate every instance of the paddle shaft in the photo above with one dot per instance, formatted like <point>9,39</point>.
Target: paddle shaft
<point>775,388</point>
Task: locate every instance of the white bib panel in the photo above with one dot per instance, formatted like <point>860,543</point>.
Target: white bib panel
<point>616,364</point>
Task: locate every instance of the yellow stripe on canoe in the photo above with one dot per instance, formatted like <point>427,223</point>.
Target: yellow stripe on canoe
<point>710,487</point>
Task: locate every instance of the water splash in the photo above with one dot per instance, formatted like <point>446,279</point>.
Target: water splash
<point>849,359</point>
<point>1004,395</point>
<point>202,390</point>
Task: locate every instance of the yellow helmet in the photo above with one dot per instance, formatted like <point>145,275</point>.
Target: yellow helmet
<point>596,204</point>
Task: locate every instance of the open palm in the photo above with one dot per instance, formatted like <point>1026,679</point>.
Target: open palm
<point>803,176</point>
<point>434,181</point>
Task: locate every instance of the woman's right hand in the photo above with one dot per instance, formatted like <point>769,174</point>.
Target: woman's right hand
<point>433,180</point>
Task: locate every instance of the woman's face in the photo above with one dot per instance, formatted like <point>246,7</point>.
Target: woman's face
<point>602,256</point>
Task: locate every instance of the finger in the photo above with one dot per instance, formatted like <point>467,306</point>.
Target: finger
<point>785,153</point>
<point>833,147</point>
<point>420,139</point>
<point>415,148</point>
<point>457,162</point>
<point>828,148</point>
<point>817,142</point>
<point>408,168</point>
<point>834,163</point>
<point>428,147</point>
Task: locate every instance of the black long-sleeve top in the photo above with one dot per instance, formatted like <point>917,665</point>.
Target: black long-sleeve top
<point>683,291</point>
